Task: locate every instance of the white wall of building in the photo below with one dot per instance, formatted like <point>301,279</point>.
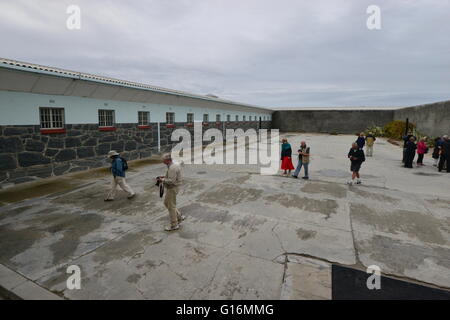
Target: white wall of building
<point>21,108</point>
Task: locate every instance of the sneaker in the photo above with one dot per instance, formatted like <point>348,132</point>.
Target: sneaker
<point>358,182</point>
<point>294,177</point>
<point>132,196</point>
<point>350,183</point>
<point>172,228</point>
<point>306,178</point>
<point>181,218</point>
<point>109,199</point>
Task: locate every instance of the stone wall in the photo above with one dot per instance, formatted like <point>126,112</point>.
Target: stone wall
<point>329,121</point>
<point>26,154</point>
<point>431,119</point>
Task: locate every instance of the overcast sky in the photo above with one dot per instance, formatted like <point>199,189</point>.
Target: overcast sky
<point>274,53</point>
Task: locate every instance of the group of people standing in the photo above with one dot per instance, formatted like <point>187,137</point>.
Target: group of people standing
<point>441,151</point>
<point>356,156</point>
<point>303,159</point>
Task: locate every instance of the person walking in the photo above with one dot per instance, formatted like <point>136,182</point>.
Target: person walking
<point>370,141</point>
<point>118,168</point>
<point>172,182</point>
<point>445,154</point>
<point>303,160</point>
<point>286,157</point>
<point>421,150</point>
<point>410,152</point>
<point>357,157</point>
<point>361,141</point>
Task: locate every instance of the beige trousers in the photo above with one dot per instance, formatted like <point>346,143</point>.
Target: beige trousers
<point>119,181</point>
<point>170,201</point>
<point>369,151</point>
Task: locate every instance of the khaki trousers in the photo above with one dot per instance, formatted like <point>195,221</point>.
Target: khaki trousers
<point>369,151</point>
<point>119,181</point>
<point>170,201</point>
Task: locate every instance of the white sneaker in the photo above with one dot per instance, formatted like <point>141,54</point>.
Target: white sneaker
<point>350,182</point>
<point>172,228</point>
<point>358,181</point>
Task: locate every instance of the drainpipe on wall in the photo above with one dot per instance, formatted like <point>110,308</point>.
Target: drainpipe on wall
<point>159,138</point>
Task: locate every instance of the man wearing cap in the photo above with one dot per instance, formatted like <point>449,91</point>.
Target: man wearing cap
<point>118,172</point>
<point>172,181</point>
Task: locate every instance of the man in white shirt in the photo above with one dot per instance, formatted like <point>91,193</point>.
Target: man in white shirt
<point>172,181</point>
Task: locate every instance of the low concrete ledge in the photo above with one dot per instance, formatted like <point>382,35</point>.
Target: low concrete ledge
<point>16,287</point>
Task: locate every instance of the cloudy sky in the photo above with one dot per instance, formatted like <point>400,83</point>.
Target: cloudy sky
<point>274,53</point>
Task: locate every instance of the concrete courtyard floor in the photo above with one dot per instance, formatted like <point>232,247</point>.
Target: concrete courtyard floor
<point>246,236</point>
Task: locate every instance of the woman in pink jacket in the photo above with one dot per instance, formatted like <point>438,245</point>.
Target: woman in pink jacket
<point>421,150</point>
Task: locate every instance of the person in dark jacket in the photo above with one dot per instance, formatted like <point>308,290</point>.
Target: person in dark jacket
<point>410,152</point>
<point>357,157</point>
<point>445,154</point>
<point>361,141</point>
<point>437,150</point>
<point>118,173</point>
<point>405,142</point>
<point>286,157</point>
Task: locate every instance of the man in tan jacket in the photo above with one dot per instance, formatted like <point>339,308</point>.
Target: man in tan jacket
<point>172,181</point>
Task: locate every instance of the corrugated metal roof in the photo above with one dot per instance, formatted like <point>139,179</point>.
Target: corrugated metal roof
<point>30,67</point>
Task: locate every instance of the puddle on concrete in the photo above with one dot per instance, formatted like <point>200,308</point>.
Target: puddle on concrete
<point>227,195</point>
<point>306,234</point>
<point>334,173</point>
<point>325,207</point>
<point>332,189</point>
<point>401,256</point>
<point>249,223</point>
<point>427,174</point>
<point>37,189</point>
<point>206,214</point>
<point>14,242</point>
<point>415,224</point>
<point>376,196</point>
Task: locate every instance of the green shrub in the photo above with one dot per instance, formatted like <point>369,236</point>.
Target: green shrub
<point>375,130</point>
<point>396,129</point>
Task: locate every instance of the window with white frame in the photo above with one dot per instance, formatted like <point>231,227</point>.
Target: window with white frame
<point>105,118</point>
<point>237,118</point>
<point>217,117</point>
<point>170,117</point>
<point>205,117</point>
<point>143,118</point>
<point>243,118</point>
<point>190,118</point>
<point>52,118</point>
<point>228,118</point>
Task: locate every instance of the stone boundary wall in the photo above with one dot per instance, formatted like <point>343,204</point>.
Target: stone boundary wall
<point>431,119</point>
<point>27,155</point>
<point>329,121</point>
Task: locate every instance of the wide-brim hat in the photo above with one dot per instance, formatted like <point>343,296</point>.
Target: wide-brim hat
<point>112,153</point>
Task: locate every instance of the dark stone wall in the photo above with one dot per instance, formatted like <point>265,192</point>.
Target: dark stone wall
<point>26,154</point>
<point>333,121</point>
<point>431,119</point>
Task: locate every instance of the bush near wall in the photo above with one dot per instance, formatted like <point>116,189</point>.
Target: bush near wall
<point>396,129</point>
